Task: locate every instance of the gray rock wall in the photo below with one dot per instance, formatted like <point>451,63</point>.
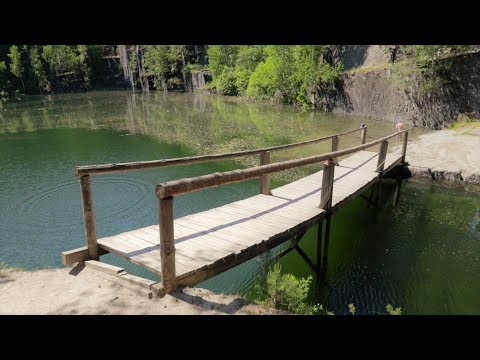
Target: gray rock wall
<point>372,94</point>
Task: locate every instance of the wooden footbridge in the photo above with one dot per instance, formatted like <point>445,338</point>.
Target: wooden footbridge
<point>191,249</point>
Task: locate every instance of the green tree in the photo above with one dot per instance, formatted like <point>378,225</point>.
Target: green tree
<point>423,65</point>
<point>16,67</point>
<point>38,70</point>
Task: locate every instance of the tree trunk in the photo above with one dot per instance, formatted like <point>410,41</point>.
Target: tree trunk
<point>124,62</point>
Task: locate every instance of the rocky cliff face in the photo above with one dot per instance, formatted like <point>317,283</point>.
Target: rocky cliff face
<point>372,94</point>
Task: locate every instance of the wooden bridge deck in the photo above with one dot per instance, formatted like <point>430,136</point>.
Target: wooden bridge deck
<point>215,240</point>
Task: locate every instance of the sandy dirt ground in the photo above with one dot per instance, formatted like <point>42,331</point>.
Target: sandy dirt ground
<point>456,150</point>
<point>69,291</point>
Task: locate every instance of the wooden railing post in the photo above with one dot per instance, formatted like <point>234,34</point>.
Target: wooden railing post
<point>89,217</point>
<point>265,179</point>
<point>327,185</point>
<point>404,145</point>
<point>364,134</point>
<point>167,244</point>
<point>382,156</point>
<point>335,147</point>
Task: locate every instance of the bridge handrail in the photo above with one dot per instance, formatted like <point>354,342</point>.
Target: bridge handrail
<point>186,185</point>
<point>141,165</point>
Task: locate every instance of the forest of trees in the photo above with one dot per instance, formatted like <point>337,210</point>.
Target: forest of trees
<point>282,73</point>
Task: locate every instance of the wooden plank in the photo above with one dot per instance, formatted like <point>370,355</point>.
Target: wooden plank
<point>137,280</point>
<point>225,217</point>
<point>77,255</point>
<point>202,229</point>
<point>107,268</point>
<point>132,287</point>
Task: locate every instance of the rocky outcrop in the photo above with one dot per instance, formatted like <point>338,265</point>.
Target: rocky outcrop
<point>373,94</point>
<point>197,80</point>
<point>446,175</point>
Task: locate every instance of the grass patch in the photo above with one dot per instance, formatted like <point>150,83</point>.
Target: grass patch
<point>469,124</point>
<point>366,69</point>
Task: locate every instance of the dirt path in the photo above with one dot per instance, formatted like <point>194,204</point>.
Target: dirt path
<point>55,291</point>
<point>455,151</point>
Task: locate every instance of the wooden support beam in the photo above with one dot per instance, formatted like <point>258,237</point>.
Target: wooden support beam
<point>137,280</point>
<point>369,201</point>
<point>327,185</point>
<point>319,245</point>
<point>327,240</point>
<point>77,255</point>
<point>398,189</point>
<point>106,268</point>
<point>364,134</point>
<point>306,258</point>
<point>404,146</point>
<point>89,217</point>
<point>265,178</point>
<point>167,245</point>
<point>382,155</point>
<point>335,148</point>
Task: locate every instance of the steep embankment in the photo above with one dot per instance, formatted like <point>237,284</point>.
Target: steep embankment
<point>368,91</point>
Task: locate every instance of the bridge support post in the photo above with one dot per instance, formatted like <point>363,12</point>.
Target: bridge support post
<point>89,217</point>
<point>335,148</point>
<point>326,203</point>
<point>319,245</point>
<point>404,146</point>
<point>327,240</point>
<point>364,134</point>
<point>382,155</point>
<point>167,244</point>
<point>265,179</point>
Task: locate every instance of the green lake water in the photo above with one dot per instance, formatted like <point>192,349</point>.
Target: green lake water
<point>421,253</point>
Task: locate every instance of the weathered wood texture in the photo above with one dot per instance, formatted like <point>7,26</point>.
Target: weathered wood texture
<point>335,142</point>
<point>71,257</point>
<point>327,185</point>
<point>193,248</point>
<point>381,156</point>
<point>106,268</point>
<point>265,179</point>
<point>167,245</point>
<point>363,135</point>
<point>89,217</point>
<point>212,241</point>
<point>141,165</point>
<point>404,146</point>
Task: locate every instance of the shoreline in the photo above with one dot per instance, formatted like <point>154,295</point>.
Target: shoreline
<point>448,155</point>
<point>87,292</point>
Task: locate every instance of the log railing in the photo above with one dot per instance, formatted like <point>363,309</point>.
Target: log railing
<point>166,191</point>
<point>84,172</point>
